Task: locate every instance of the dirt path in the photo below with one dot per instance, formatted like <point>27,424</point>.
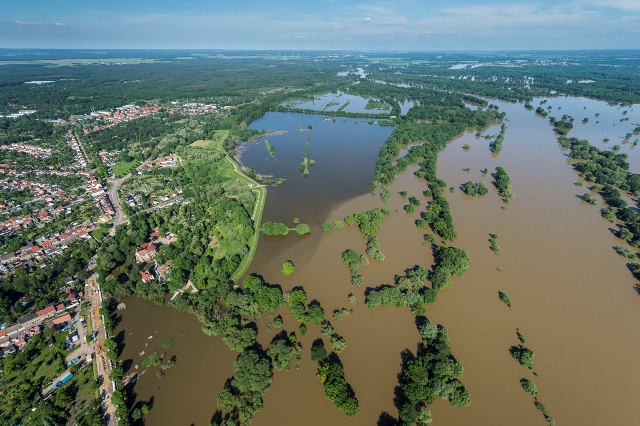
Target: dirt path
<point>102,362</point>
<point>183,289</point>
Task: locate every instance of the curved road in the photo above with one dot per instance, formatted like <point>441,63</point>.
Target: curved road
<point>113,197</point>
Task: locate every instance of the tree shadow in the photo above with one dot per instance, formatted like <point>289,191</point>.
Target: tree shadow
<point>405,356</point>
<point>119,339</point>
<point>117,319</point>
<point>217,418</point>
<point>138,406</point>
<point>334,358</point>
<point>282,335</point>
<point>126,365</point>
<point>386,419</point>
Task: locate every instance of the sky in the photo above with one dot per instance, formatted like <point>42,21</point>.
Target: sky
<point>321,24</point>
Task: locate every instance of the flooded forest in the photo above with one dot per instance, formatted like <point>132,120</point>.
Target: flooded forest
<point>454,271</point>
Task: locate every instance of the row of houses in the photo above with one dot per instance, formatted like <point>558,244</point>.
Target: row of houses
<point>43,248</point>
<point>107,158</point>
<point>13,224</point>
<point>72,141</point>
<point>12,170</point>
<point>14,337</point>
<point>100,197</point>
<point>41,191</point>
<point>121,114</point>
<point>36,151</point>
<point>170,161</point>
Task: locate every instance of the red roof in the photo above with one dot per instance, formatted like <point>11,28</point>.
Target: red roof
<point>62,319</point>
<point>3,332</point>
<point>46,311</point>
<point>145,248</point>
<point>60,307</point>
<point>146,276</point>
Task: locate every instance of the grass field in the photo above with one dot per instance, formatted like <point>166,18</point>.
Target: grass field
<point>216,142</point>
<point>99,233</point>
<point>122,169</point>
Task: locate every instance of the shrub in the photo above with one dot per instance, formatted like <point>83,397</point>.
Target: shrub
<point>589,199</point>
<point>302,229</point>
<point>626,252</point>
<point>523,355</point>
<point>528,387</point>
<point>504,298</point>
<point>288,267</point>
<point>318,352</point>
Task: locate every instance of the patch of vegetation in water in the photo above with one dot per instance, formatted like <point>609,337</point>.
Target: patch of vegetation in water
<point>496,147</point>
<point>270,148</point>
<point>368,221</point>
<point>523,355</point>
<point>493,240</point>
<point>504,298</point>
<point>376,104</point>
<point>337,390</point>
<point>473,189</point>
<point>172,340</point>
<point>502,182</point>
<point>288,267</point>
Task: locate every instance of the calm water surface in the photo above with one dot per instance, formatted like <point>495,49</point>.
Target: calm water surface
<point>572,295</point>
<point>334,101</point>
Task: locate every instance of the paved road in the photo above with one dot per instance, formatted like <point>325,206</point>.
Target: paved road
<point>113,197</point>
<point>83,348</point>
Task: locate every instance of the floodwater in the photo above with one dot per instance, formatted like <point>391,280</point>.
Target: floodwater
<point>335,101</point>
<point>606,125</point>
<point>573,298</point>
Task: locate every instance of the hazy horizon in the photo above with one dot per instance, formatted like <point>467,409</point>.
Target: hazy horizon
<point>327,25</point>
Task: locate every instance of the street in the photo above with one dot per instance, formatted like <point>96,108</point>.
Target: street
<point>113,196</point>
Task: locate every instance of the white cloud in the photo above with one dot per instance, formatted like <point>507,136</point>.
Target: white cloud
<point>618,4</point>
<point>367,19</point>
<point>59,24</point>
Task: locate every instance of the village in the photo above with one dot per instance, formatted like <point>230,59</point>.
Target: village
<point>100,120</point>
<point>60,314</point>
<point>35,252</point>
<point>55,213</point>
<point>36,151</point>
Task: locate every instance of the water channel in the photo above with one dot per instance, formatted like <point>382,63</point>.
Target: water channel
<point>573,297</point>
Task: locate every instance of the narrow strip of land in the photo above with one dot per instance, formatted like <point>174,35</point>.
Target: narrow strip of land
<point>261,197</point>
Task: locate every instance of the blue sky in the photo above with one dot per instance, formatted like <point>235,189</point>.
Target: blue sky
<point>321,24</point>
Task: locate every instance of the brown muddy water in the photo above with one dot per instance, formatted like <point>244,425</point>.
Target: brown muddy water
<point>572,295</point>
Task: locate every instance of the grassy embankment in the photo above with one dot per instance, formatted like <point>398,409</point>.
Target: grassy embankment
<point>121,169</point>
<point>259,190</point>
